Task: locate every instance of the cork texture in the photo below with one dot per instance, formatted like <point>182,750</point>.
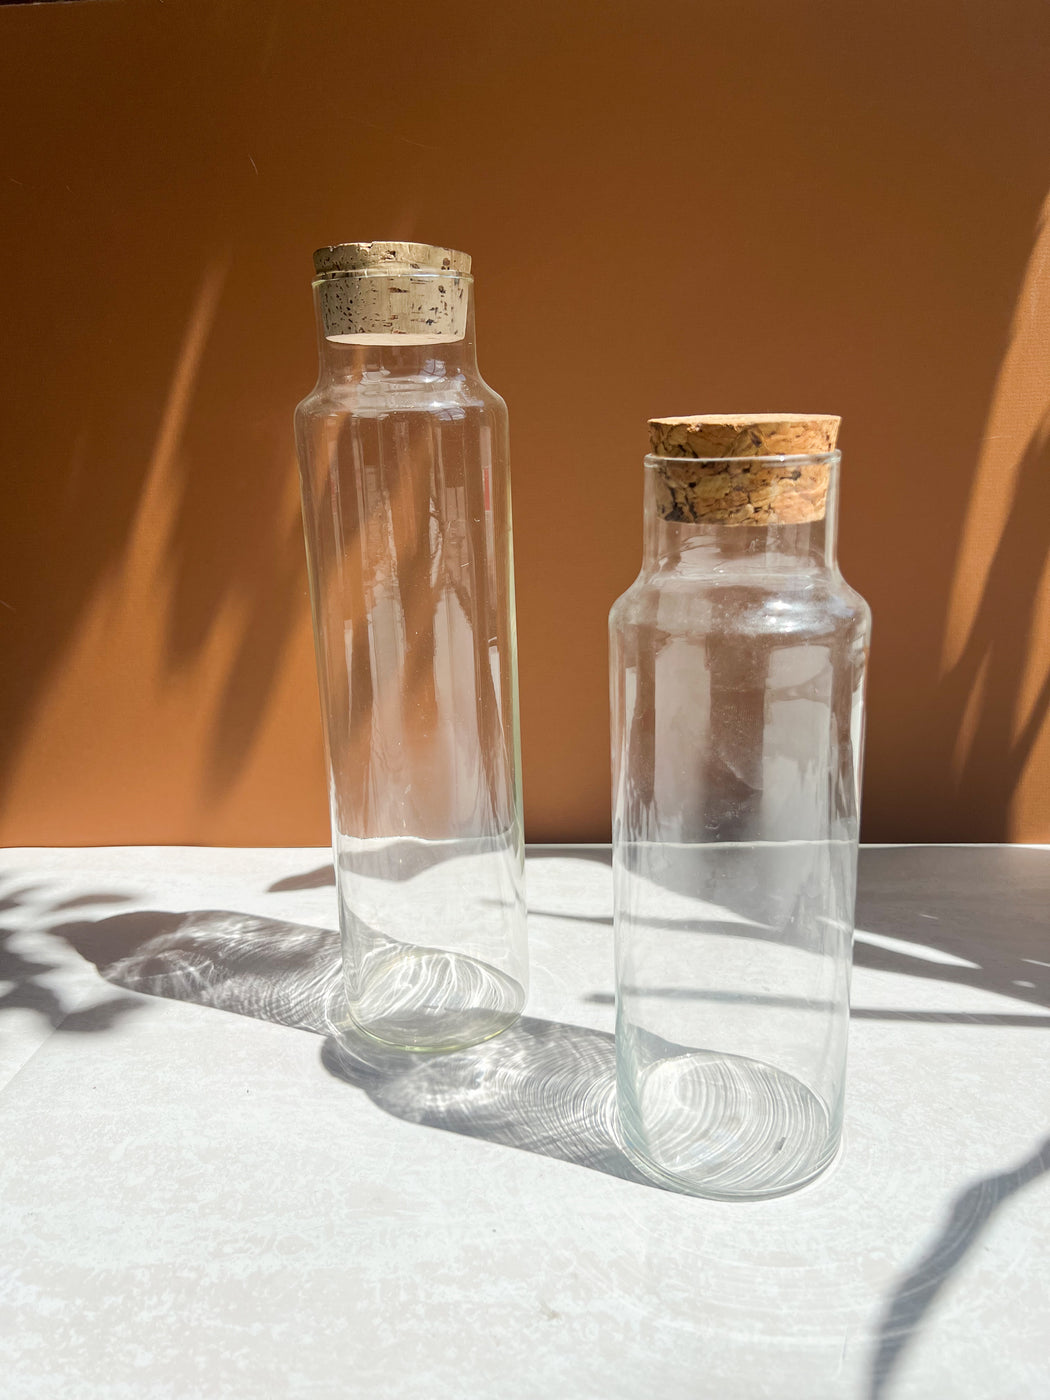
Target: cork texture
<point>722,468</point>
<point>392,293</point>
<point>390,256</point>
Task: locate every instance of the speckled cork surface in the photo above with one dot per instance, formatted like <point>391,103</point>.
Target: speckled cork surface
<point>391,293</point>
<point>705,483</point>
<point>391,256</point>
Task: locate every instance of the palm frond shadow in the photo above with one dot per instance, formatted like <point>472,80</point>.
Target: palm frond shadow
<point>26,977</point>
<point>916,1293</point>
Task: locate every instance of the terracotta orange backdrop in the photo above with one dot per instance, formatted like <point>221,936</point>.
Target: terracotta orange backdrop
<point>672,207</point>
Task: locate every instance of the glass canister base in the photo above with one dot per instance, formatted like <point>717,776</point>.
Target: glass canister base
<point>725,1127</point>
<point>429,999</point>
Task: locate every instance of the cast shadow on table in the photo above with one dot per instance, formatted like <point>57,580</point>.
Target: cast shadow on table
<point>966,917</point>
<point>325,874</point>
<point>547,1087</point>
<point>541,1086</point>
<point>969,918</point>
<point>25,974</point>
<point>309,880</point>
<point>913,1297</point>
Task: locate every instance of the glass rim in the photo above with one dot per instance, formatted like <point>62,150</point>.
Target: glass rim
<point>781,459</point>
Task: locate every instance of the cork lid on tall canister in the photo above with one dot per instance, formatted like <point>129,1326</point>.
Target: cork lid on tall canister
<point>743,468</point>
<point>392,293</point>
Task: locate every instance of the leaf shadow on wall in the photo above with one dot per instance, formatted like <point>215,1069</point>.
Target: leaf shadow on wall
<point>159,540</point>
<point>236,539</point>
<point>994,693</point>
<point>986,680</point>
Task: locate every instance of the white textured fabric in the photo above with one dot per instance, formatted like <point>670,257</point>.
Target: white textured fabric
<point>204,1194</point>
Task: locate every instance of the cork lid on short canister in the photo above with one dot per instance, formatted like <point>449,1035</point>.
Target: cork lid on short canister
<point>736,468</point>
<point>392,293</point>
<point>390,256</point>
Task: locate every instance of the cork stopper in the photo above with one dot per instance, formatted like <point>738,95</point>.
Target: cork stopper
<point>392,293</point>
<point>737,468</point>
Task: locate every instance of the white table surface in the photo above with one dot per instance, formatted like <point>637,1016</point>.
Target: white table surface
<point>197,1203</point>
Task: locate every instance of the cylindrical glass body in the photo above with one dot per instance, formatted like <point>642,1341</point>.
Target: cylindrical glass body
<point>403,453</point>
<point>737,661</point>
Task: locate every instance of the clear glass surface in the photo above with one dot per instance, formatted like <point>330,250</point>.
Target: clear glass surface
<point>404,470</point>
<point>737,668</point>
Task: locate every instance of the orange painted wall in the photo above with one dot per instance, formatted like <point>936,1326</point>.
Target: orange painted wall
<point>823,205</point>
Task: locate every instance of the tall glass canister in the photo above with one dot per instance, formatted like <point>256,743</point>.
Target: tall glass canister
<point>403,453</point>
<point>738,659</point>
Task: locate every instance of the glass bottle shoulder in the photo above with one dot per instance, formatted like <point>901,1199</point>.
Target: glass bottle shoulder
<point>799,603</point>
<point>375,394</point>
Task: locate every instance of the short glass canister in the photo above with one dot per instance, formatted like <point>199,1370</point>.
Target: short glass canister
<point>738,659</point>
<point>403,455</point>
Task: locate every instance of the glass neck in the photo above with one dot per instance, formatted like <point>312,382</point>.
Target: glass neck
<point>705,547</point>
<point>407,357</point>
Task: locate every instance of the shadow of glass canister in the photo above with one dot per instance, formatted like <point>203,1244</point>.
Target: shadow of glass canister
<point>738,659</point>
<point>404,470</point>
